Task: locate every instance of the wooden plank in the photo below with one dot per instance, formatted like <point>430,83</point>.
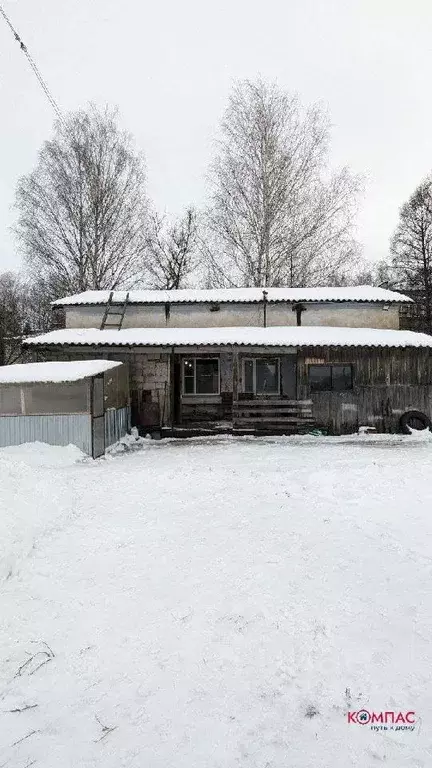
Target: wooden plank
<point>272,417</point>
<point>269,401</point>
<point>170,417</point>
<point>270,432</point>
<point>274,411</point>
<point>288,373</point>
<point>226,372</point>
<point>272,414</point>
<point>235,374</point>
<point>269,422</point>
<point>272,407</point>
<point>273,429</point>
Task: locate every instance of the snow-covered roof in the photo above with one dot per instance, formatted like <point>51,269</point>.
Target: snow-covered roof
<point>285,336</point>
<point>361,293</point>
<point>53,373</point>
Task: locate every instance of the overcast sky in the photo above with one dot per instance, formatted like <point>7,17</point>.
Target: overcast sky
<point>169,66</point>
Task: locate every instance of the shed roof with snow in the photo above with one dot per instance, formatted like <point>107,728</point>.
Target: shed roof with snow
<point>359,293</point>
<point>55,372</point>
<point>283,336</point>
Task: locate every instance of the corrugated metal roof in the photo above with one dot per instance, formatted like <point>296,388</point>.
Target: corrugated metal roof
<point>286,336</point>
<point>360,293</point>
<point>53,372</point>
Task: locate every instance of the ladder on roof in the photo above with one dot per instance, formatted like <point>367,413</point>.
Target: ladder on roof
<point>116,311</point>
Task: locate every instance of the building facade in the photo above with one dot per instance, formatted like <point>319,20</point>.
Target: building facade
<point>273,360</point>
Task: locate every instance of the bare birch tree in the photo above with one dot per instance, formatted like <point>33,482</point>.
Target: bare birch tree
<point>171,250</point>
<point>277,216</point>
<point>12,317</point>
<point>82,209</point>
<point>40,315</point>
<point>411,248</point>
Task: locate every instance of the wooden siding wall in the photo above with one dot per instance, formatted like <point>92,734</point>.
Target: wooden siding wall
<point>386,383</point>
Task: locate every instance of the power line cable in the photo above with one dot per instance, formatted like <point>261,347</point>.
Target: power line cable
<point>33,65</point>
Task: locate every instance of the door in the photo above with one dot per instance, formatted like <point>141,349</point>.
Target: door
<point>149,412</point>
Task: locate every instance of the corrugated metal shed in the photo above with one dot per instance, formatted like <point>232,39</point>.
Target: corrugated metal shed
<point>54,429</point>
<point>81,402</point>
<point>117,424</point>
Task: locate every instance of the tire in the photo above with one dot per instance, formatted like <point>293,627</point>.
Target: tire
<point>414,420</point>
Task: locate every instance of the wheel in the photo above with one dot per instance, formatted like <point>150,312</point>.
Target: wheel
<point>414,420</point>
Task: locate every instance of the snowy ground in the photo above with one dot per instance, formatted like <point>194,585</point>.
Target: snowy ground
<point>217,603</point>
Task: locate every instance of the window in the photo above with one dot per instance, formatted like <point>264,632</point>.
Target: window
<point>201,376</point>
<point>261,376</point>
<point>330,378</point>
<point>57,398</point>
<point>10,400</point>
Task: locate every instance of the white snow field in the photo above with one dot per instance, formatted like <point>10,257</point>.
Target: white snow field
<point>216,603</point>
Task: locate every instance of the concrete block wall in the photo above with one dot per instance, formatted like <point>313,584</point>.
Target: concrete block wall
<point>346,314</point>
<point>151,372</point>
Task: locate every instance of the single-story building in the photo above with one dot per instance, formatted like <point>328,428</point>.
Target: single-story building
<point>84,402</point>
<point>278,379</point>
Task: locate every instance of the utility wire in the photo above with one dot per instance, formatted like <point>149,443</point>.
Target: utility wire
<point>33,65</point>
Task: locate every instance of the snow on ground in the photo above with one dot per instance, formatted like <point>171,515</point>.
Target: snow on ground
<point>216,603</point>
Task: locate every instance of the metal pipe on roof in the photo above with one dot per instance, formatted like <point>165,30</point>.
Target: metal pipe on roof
<point>265,294</point>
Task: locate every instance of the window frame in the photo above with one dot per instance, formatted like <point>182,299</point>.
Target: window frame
<point>194,358</point>
<point>275,393</point>
<point>331,366</point>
